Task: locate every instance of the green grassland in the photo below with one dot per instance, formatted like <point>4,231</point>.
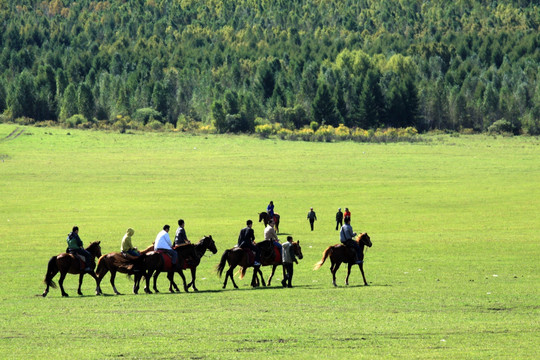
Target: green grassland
<point>453,271</point>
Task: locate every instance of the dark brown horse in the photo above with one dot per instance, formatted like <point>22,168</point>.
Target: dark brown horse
<point>118,262</point>
<point>239,257</point>
<point>264,217</point>
<point>193,254</point>
<point>68,263</point>
<point>342,254</point>
<point>275,262</point>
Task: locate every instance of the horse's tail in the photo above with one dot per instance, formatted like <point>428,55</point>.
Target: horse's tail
<point>329,250</point>
<point>52,269</point>
<point>223,261</point>
<point>242,272</point>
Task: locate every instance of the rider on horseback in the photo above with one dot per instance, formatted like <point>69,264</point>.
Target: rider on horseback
<point>270,210</point>
<point>346,236</point>
<point>75,245</point>
<point>245,241</point>
<point>270,234</point>
<point>127,247</point>
<point>163,242</point>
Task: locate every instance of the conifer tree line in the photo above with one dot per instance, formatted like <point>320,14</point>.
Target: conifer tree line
<point>465,64</point>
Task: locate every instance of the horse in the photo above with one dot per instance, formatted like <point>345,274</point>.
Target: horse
<point>272,260</point>
<point>342,254</point>
<point>266,218</point>
<point>70,263</point>
<point>118,262</point>
<point>193,254</point>
<point>239,257</point>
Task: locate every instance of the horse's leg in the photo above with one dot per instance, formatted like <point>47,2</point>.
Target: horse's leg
<point>272,274</point>
<point>136,282</point>
<point>349,266</point>
<point>262,277</point>
<point>113,277</point>
<point>147,278</point>
<point>170,276</point>
<point>230,274</point>
<point>193,276</point>
<point>361,265</point>
<point>81,275</point>
<point>334,268</point>
<point>61,283</point>
<point>156,274</point>
<point>92,273</point>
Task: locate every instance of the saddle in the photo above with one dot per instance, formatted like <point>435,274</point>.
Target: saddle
<point>80,258</point>
<point>167,260</point>
<point>350,251</point>
<point>249,253</point>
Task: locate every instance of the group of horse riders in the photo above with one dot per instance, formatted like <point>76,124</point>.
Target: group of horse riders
<point>162,243</point>
<point>246,239</point>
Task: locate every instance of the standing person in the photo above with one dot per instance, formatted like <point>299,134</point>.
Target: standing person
<point>346,236</point>
<point>181,237</point>
<point>246,239</point>
<point>288,258</point>
<point>126,246</point>
<point>347,214</point>
<point>270,234</point>
<point>163,242</point>
<point>75,245</point>
<point>270,210</point>
<point>311,217</point>
<point>339,219</point>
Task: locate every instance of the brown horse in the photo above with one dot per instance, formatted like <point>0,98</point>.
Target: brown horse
<point>193,254</point>
<point>69,263</point>
<point>238,257</point>
<point>342,254</point>
<point>118,262</point>
<point>268,260</point>
<point>264,217</point>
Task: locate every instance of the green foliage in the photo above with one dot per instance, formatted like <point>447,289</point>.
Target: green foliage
<point>143,115</point>
<point>431,65</point>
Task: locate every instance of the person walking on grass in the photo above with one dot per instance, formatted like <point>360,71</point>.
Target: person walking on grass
<point>288,258</point>
<point>311,216</point>
<point>339,219</point>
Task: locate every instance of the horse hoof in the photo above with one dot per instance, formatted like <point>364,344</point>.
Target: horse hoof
<point>65,295</point>
<point>44,294</point>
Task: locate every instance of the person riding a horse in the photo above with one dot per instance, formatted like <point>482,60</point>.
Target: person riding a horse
<point>163,242</point>
<point>75,246</point>
<point>270,210</point>
<point>346,236</point>
<point>270,234</point>
<point>246,239</point>
<point>127,247</point>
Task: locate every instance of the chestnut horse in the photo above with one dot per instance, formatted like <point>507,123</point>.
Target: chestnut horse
<point>69,263</point>
<point>271,260</point>
<point>264,217</point>
<point>238,257</point>
<point>118,262</point>
<point>342,254</point>
<point>193,254</point>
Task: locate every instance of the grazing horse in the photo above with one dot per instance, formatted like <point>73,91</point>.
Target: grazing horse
<point>264,217</point>
<point>342,254</point>
<point>271,259</point>
<point>70,263</point>
<point>239,257</point>
<point>193,254</point>
<point>118,262</point>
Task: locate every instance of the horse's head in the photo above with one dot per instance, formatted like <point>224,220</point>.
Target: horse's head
<point>364,239</point>
<point>95,249</point>
<point>261,216</point>
<point>210,244</point>
<point>297,249</point>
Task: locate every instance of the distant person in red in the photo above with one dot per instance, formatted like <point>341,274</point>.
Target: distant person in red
<point>347,214</point>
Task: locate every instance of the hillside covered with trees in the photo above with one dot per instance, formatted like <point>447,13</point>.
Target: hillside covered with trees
<point>235,64</point>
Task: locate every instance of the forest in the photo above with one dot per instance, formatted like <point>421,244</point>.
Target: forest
<point>232,65</point>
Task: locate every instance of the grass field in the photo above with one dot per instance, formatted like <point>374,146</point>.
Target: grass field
<point>453,270</point>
